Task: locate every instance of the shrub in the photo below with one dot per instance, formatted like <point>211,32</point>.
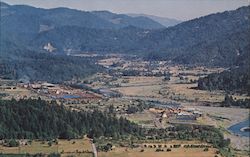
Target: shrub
<point>159,150</point>
<point>12,143</point>
<point>50,143</point>
<point>169,150</point>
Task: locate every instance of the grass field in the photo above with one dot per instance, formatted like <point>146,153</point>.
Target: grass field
<point>17,92</point>
<point>65,147</point>
<point>144,118</point>
<point>148,149</point>
<point>140,86</point>
<point>175,152</point>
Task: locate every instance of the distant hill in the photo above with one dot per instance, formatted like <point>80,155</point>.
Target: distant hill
<point>167,22</point>
<point>122,20</point>
<point>4,5</point>
<point>50,18</point>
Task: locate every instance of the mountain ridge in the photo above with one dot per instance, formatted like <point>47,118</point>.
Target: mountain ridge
<point>190,42</point>
<point>165,21</point>
<point>63,15</point>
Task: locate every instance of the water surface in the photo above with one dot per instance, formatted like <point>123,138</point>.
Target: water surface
<point>236,129</point>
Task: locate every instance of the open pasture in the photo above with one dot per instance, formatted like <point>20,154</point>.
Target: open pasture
<point>166,151</point>
<point>80,147</point>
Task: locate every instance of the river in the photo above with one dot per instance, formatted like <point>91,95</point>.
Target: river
<point>237,128</point>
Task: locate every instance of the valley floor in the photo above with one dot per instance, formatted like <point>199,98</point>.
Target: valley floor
<point>147,95</point>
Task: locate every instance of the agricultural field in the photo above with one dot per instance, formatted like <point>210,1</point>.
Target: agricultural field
<point>152,153</point>
<point>81,147</point>
<point>141,86</point>
<point>9,90</point>
<point>162,150</point>
<point>144,118</point>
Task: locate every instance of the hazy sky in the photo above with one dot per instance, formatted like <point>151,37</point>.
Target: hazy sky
<point>179,9</point>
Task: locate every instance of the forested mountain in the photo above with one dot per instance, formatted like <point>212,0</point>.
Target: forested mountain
<point>26,25</point>
<point>45,19</point>
<point>229,50</point>
<point>90,40</point>
<point>220,39</point>
<point>215,39</point>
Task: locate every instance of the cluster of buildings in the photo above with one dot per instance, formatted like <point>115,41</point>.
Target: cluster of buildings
<point>178,114</point>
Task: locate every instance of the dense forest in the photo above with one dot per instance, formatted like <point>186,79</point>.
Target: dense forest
<point>233,80</point>
<point>46,120</point>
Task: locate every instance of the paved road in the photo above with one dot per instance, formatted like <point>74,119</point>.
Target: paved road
<point>94,149</point>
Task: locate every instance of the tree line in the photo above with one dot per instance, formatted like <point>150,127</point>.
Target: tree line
<point>39,119</point>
